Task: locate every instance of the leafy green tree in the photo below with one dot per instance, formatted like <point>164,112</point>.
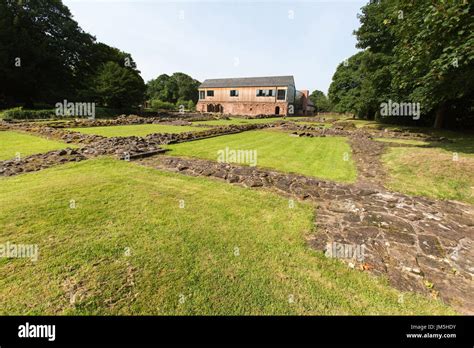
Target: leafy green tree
<point>423,53</point>
<point>434,57</point>
<point>191,105</point>
<point>187,86</point>
<point>43,51</point>
<point>45,57</point>
<point>345,89</point>
<point>163,88</point>
<point>320,101</point>
<point>172,88</point>
<point>119,87</point>
<point>99,55</point>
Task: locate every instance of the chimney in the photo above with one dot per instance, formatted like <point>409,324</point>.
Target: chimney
<point>305,100</point>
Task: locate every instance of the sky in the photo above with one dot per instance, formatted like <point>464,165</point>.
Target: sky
<point>221,39</point>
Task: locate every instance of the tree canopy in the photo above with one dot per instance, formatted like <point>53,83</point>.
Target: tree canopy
<point>45,57</point>
<point>320,101</point>
<point>174,88</point>
<point>118,87</point>
<point>412,51</point>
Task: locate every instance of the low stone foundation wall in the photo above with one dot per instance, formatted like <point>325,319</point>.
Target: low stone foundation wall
<point>123,120</point>
<point>121,147</point>
<point>341,130</point>
<point>40,161</point>
<point>169,138</point>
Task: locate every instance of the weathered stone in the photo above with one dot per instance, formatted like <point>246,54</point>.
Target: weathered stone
<point>430,245</point>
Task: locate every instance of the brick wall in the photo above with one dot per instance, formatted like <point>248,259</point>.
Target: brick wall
<point>243,108</point>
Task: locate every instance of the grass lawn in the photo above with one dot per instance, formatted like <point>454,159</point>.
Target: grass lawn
<point>127,249</point>
<point>318,157</point>
<point>433,172</point>
<point>139,130</point>
<point>25,144</point>
<point>331,117</point>
<point>363,123</point>
<point>235,120</point>
<point>319,124</point>
<point>402,141</point>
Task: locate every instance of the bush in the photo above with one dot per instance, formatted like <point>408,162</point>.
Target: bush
<point>187,104</point>
<point>20,114</point>
<point>157,104</point>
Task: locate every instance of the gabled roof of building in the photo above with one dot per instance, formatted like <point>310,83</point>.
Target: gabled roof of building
<point>268,81</point>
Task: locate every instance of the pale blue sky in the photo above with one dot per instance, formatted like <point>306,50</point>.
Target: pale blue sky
<point>216,39</point>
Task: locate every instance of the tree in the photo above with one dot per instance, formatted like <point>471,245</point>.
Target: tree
<point>187,86</point>
<point>99,55</point>
<point>46,57</point>
<point>44,51</point>
<point>434,57</point>
<point>163,88</point>
<point>320,101</point>
<point>119,87</point>
<point>419,52</point>
<point>345,89</point>
<point>172,88</point>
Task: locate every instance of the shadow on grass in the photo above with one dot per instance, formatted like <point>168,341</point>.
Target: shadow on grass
<point>456,141</point>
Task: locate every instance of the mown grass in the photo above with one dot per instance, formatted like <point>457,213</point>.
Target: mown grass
<point>128,249</point>
<point>318,157</point>
<point>12,143</point>
<point>402,141</point>
<point>139,130</point>
<point>443,172</point>
<point>319,124</point>
<point>236,120</point>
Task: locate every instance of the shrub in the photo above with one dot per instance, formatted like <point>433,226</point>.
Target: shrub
<point>20,114</point>
<point>157,104</point>
<point>187,104</point>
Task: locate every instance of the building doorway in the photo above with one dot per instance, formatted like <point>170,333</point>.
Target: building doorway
<point>277,110</point>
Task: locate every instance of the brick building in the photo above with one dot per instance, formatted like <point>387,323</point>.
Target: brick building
<point>274,95</point>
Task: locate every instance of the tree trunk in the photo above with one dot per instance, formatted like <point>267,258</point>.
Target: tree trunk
<point>440,113</point>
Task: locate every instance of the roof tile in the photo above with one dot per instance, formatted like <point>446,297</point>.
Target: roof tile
<point>268,81</point>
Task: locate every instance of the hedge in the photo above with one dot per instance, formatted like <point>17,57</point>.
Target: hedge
<point>21,114</point>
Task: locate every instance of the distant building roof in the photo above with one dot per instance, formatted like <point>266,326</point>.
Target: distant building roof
<point>269,81</point>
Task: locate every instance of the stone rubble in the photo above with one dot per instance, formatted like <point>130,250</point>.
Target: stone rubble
<point>94,145</point>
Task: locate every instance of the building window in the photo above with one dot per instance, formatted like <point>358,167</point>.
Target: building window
<point>202,95</point>
<point>281,94</point>
<point>264,92</point>
<point>234,93</point>
<point>210,93</point>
